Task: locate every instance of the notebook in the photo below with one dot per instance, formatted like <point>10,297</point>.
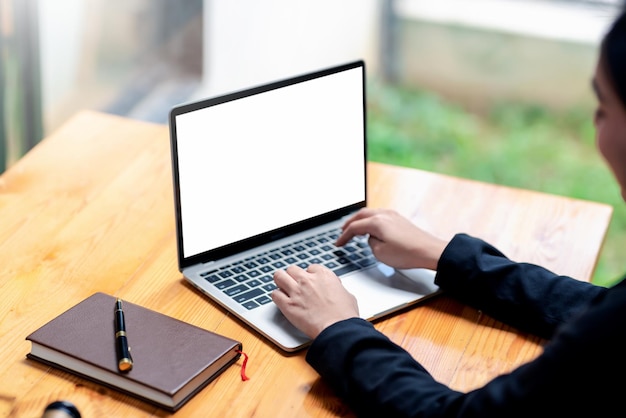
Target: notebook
<point>265,177</point>
<point>165,372</point>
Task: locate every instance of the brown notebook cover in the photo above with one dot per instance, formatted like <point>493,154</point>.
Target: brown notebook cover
<point>172,360</point>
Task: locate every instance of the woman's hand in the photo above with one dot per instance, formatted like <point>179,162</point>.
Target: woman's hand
<point>394,239</point>
<point>312,299</point>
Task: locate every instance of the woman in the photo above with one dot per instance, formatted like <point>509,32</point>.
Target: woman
<point>582,368</point>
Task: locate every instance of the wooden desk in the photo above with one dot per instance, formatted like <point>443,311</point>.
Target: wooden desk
<point>90,209</point>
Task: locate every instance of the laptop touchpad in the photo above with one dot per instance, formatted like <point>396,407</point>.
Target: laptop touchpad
<point>382,289</point>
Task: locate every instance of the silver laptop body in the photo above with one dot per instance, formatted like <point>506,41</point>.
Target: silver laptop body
<point>265,177</point>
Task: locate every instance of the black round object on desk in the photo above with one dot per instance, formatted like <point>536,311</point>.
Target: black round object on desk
<point>61,409</point>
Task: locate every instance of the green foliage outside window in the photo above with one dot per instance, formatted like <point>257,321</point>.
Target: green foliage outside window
<point>511,144</point>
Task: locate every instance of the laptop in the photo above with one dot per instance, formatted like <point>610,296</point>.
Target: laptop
<point>265,177</point>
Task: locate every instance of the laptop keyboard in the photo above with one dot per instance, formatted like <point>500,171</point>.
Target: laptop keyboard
<point>250,281</point>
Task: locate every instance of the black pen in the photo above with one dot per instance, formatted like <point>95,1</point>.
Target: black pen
<point>124,360</point>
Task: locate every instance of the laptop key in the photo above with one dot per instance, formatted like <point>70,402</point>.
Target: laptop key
<point>354,257</point>
<point>225,273</point>
<point>250,304</point>
<point>331,265</point>
<point>253,283</point>
<point>241,278</point>
<point>270,286</point>
<point>263,300</point>
<point>343,260</point>
<point>248,295</point>
<point>367,262</point>
<point>346,269</point>
<point>213,278</point>
<point>266,279</point>
<point>266,269</point>
<point>232,291</point>
<point>225,283</point>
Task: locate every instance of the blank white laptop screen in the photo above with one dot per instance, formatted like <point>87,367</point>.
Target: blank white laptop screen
<point>257,163</point>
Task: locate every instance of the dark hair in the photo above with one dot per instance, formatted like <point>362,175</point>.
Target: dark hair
<point>613,52</point>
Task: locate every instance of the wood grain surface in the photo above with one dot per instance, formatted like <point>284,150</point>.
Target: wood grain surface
<point>90,209</point>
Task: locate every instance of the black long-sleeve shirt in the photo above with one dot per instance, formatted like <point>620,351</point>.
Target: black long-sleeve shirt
<point>581,371</point>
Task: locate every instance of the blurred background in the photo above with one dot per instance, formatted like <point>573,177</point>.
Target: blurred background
<point>494,90</point>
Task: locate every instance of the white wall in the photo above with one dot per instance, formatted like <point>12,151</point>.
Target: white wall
<point>550,20</point>
<point>482,52</point>
<point>246,42</point>
<point>60,49</point>
<point>249,42</point>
